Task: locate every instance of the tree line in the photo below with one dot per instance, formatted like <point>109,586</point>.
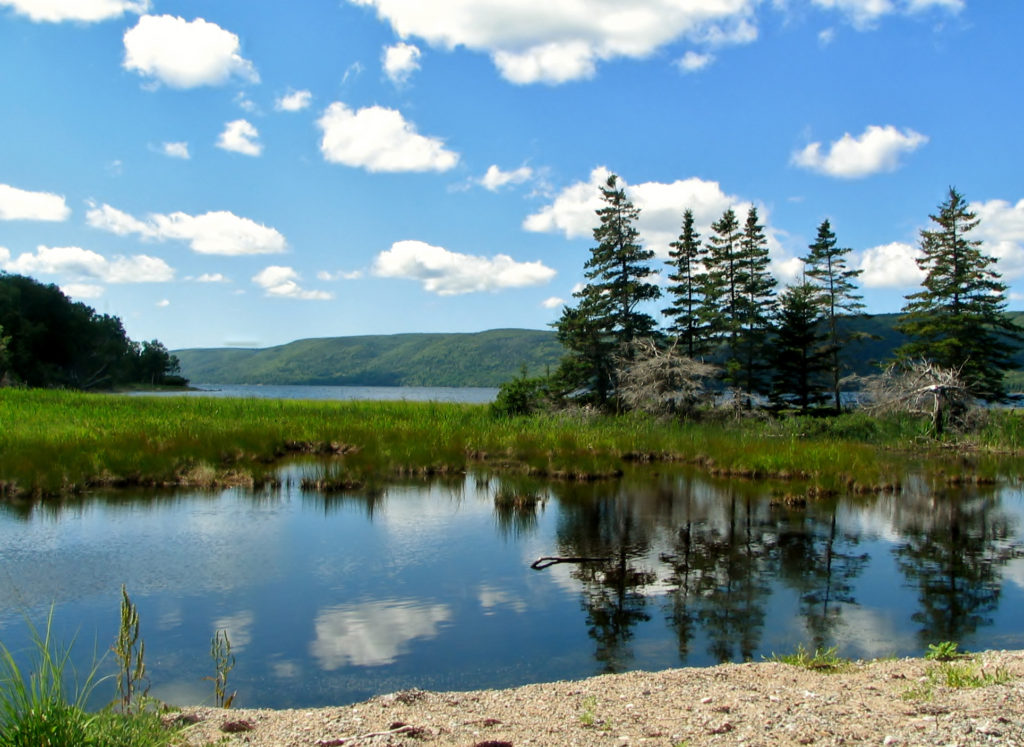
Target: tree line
<point>727,319</point>
<point>47,340</point>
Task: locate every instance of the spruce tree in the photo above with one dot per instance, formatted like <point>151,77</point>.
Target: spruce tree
<point>957,319</point>
<point>721,292</point>
<point>607,317</point>
<point>685,259</point>
<point>757,302</point>
<point>835,287</point>
<point>800,351</point>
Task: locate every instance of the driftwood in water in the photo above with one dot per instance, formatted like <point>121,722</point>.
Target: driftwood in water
<point>541,563</point>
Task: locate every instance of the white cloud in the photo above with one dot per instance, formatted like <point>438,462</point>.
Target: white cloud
<point>240,136</point>
<point>212,277</point>
<point>175,150</point>
<point>282,282</point>
<point>573,211</point>
<point>495,178</point>
<point>450,273</point>
<point>379,139</point>
<point>339,275</point>
<point>1002,231</point>
<point>218,232</point>
<point>864,13</point>
<point>534,41</point>
<point>20,204</point>
<point>293,101</point>
<point>890,266</point>
<point>692,61</point>
<point>78,263</point>
<point>826,36</point>
<point>163,303</point>
<point>553,303</point>
<point>877,149</point>
<point>245,103</point>
<point>82,290</point>
<point>84,11</point>
<point>373,633</point>
<point>401,61</point>
<point>5,255</point>
<point>185,54</point>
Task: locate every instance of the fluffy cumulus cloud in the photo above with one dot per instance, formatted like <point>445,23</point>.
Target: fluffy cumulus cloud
<point>83,11</point>
<point>495,178</point>
<point>890,266</point>
<point>21,204</point>
<point>82,264</point>
<point>176,150</point>
<point>379,139</point>
<point>450,273</point>
<point>572,212</point>
<point>554,302</point>
<point>185,54</point>
<point>212,277</point>
<point>1001,228</point>
<point>864,13</point>
<point>400,61</point>
<point>293,101</point>
<point>877,149</point>
<point>283,282</point>
<point>218,232</point>
<point>240,136</point>
<point>533,41</point>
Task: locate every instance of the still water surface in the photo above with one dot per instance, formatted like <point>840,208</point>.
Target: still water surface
<point>329,600</point>
<point>467,394</point>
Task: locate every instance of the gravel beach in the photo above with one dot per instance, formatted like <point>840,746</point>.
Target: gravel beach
<point>885,702</point>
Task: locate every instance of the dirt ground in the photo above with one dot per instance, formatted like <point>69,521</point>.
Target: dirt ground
<point>887,702</point>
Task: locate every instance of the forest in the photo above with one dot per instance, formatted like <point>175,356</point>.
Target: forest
<point>48,340</point>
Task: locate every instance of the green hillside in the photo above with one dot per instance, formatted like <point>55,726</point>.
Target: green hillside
<point>477,359</point>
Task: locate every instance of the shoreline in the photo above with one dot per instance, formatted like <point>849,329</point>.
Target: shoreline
<point>882,702</point>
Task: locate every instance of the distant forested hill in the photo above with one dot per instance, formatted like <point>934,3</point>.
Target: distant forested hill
<point>477,359</point>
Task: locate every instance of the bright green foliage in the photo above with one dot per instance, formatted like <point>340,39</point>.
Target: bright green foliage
<point>722,288</point>
<point>686,260</point>
<point>827,271</point>
<point>800,355</point>
<point>607,316</point>
<point>957,320</point>
<point>757,303</point>
<point>130,651</point>
<point>944,651</point>
<point>822,660</point>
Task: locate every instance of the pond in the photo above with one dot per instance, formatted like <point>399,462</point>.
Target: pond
<point>332,599</point>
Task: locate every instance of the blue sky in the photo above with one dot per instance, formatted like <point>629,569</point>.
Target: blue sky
<point>249,172</point>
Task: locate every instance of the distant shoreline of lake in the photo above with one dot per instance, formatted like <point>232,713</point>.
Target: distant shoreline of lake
<point>469,395</point>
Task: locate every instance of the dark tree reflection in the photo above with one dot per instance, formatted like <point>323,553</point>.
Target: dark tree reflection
<point>952,549</point>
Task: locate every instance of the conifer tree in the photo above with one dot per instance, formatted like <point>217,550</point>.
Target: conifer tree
<point>721,291</point>
<point>800,351</point>
<point>835,287</point>
<point>757,302</point>
<point>957,320</point>
<point>607,317</point>
<point>686,260</point>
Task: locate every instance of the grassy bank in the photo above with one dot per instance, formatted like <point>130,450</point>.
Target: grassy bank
<point>54,441</point>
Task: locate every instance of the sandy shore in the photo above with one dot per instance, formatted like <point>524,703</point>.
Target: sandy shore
<point>889,702</point>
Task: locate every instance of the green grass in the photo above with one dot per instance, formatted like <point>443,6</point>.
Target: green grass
<point>822,660</point>
<point>56,442</point>
<point>959,674</point>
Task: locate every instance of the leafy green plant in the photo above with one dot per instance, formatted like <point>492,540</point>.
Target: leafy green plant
<point>223,663</point>
<point>130,651</point>
<point>588,716</point>
<point>822,660</point>
<point>944,651</point>
<point>957,675</point>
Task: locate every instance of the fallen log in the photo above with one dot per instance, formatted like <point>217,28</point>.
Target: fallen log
<point>546,562</point>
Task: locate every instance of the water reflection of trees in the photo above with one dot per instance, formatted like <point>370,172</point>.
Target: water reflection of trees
<point>952,547</point>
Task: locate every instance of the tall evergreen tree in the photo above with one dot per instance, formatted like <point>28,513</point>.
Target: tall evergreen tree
<point>834,282</point>
<point>607,317</point>
<point>957,320</point>
<point>686,260</point>
<point>800,351</point>
<point>721,291</point>
<point>757,303</point>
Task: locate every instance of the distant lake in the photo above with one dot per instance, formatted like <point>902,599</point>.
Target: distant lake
<point>472,395</point>
<point>330,599</point>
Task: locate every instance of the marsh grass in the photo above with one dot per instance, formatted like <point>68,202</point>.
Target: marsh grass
<point>822,660</point>
<point>58,443</point>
